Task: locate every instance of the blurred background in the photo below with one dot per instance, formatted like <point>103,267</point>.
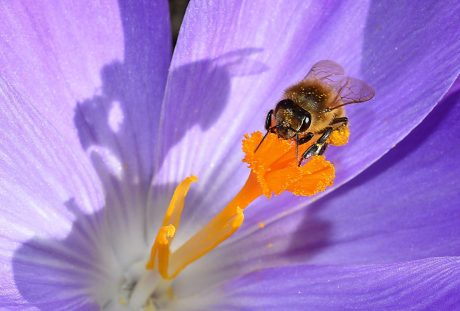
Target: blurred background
<point>177,11</point>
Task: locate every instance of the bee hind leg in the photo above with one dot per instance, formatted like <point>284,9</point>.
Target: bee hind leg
<point>319,147</point>
<point>343,120</point>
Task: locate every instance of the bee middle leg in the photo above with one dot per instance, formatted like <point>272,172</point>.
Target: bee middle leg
<point>319,147</point>
<point>323,149</point>
<point>305,139</point>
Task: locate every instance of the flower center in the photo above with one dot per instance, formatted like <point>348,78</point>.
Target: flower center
<point>150,292</point>
<point>274,169</point>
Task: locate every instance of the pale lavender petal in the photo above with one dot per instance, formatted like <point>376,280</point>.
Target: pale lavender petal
<point>97,70</point>
<point>80,86</point>
<point>404,207</point>
<point>44,187</point>
<point>212,97</point>
<point>429,284</point>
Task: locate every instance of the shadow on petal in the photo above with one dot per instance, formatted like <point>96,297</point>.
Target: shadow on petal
<point>110,122</point>
<point>311,236</point>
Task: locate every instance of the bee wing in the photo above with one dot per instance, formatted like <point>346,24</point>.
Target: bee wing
<point>327,71</point>
<point>350,90</point>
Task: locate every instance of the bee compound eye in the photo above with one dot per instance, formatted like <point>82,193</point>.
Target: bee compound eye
<point>287,101</point>
<point>285,104</point>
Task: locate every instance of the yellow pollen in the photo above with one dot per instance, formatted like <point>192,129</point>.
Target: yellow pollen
<point>274,169</point>
<point>339,137</point>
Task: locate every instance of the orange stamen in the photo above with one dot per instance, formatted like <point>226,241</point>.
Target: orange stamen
<point>274,169</point>
<point>275,165</point>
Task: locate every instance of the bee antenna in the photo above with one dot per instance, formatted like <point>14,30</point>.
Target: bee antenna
<point>297,146</point>
<point>261,142</point>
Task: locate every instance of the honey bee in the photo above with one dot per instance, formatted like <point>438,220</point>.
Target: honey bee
<point>315,107</point>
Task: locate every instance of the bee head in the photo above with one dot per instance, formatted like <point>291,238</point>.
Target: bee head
<point>291,119</point>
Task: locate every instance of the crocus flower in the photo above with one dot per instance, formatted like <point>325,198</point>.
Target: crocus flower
<point>99,126</point>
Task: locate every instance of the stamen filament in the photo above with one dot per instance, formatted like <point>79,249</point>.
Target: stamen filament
<point>165,235</point>
<point>161,249</point>
<point>222,226</point>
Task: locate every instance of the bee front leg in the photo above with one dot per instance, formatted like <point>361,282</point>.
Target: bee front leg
<point>268,123</point>
<point>268,120</point>
<point>319,147</point>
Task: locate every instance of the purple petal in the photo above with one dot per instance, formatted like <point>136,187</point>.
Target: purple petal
<point>80,86</point>
<point>429,284</point>
<point>404,207</point>
<point>212,97</point>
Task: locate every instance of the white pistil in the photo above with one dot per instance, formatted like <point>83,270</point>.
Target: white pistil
<point>144,289</point>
